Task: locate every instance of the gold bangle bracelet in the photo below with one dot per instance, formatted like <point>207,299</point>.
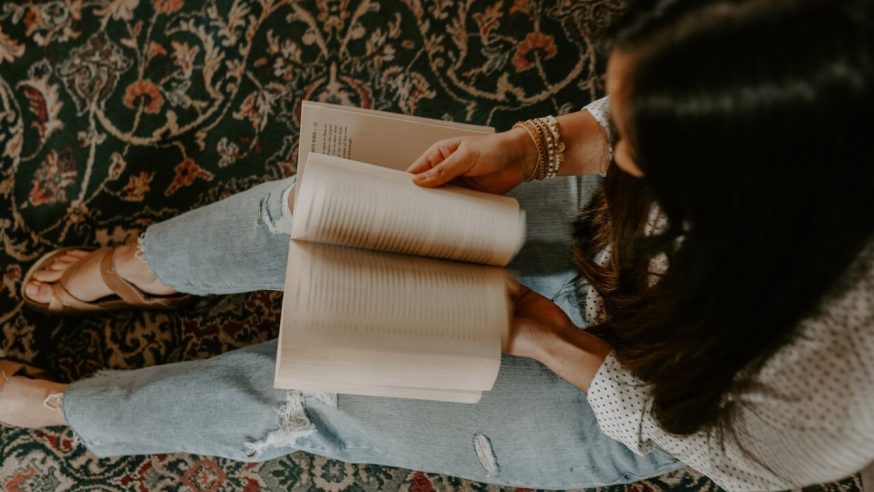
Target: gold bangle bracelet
<point>550,147</point>
<point>537,144</point>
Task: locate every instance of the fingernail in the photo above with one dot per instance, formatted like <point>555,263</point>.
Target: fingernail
<point>32,289</point>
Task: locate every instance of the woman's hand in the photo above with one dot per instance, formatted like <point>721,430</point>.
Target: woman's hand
<point>492,163</point>
<point>535,320</point>
<point>540,330</point>
<point>498,163</point>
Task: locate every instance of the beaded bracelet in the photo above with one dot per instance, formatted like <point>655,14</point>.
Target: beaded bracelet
<point>550,148</point>
<point>558,147</point>
<point>545,138</point>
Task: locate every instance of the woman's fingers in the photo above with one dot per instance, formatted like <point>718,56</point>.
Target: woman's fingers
<point>448,169</point>
<point>423,163</point>
<point>434,155</point>
<point>514,288</point>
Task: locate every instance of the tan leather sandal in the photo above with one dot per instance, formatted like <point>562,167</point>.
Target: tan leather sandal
<point>29,404</point>
<point>127,295</point>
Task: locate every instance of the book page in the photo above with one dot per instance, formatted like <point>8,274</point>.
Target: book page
<point>349,203</point>
<point>358,317</point>
<point>376,137</point>
<point>456,396</point>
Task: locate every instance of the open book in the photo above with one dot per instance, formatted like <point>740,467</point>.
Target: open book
<point>392,289</point>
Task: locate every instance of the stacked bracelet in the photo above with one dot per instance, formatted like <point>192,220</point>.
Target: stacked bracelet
<point>550,147</point>
<point>532,132</point>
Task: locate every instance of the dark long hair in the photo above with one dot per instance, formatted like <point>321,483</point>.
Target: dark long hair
<point>751,120</point>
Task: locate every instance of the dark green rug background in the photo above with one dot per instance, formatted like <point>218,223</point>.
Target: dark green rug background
<point>118,114</point>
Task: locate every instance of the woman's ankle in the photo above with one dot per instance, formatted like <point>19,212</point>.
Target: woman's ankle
<point>131,266</point>
<point>31,403</point>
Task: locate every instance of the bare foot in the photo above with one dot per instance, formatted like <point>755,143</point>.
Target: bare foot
<point>30,403</point>
<point>87,284</point>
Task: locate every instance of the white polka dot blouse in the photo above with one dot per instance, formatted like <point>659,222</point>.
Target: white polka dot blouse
<point>809,417</point>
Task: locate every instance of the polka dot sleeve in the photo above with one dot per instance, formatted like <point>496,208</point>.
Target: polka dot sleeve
<point>619,401</point>
<point>807,418</point>
<point>600,110</point>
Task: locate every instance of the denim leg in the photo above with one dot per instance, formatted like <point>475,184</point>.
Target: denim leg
<point>532,429</point>
<point>545,263</point>
<point>209,406</point>
<point>239,244</point>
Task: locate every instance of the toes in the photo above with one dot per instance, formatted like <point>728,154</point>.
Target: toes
<point>32,289</point>
<point>39,291</point>
<point>45,293</point>
<point>52,272</point>
<point>59,265</point>
<point>49,275</point>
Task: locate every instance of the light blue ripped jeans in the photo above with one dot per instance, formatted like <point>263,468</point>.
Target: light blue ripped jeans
<point>533,429</point>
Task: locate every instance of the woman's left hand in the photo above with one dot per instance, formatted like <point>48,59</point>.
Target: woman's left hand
<point>535,320</point>
<point>540,330</point>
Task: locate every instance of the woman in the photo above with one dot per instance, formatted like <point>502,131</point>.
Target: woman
<point>730,319</point>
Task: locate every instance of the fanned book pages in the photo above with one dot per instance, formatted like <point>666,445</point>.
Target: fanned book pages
<point>392,289</point>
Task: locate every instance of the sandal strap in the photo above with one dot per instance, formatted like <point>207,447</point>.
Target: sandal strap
<point>10,368</point>
<point>127,291</point>
<point>62,297</point>
<point>130,293</point>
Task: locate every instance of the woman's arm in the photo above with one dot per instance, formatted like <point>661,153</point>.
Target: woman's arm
<point>782,435</point>
<point>498,163</point>
<point>543,332</point>
<point>586,135</point>
<point>807,418</point>
<point>588,138</point>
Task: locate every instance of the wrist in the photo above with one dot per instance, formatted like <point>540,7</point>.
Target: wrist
<point>573,354</point>
<point>524,150</point>
<point>547,341</point>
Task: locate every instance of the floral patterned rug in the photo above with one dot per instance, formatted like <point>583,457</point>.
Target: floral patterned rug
<point>115,114</point>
